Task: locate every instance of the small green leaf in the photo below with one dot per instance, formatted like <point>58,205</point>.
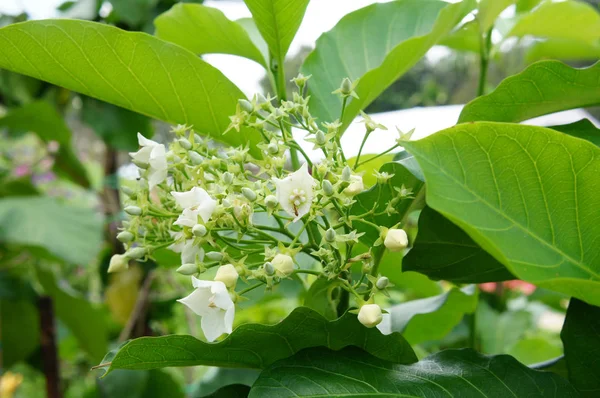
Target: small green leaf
<point>500,331</point>
<point>131,70</point>
<point>377,44</point>
<point>43,119</point>
<point>536,349</point>
<point>489,10</point>
<point>206,30</point>
<point>465,38</point>
<point>527,195</point>
<point>258,346</point>
<point>544,87</point>
<point>278,21</point>
<point>581,339</point>
<point>319,297</point>
<point>563,49</point>
<point>432,318</point>
<point>35,221</point>
<point>453,373</point>
<point>581,129</point>
<point>444,251</point>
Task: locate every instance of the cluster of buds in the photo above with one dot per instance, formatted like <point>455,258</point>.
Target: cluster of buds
<point>243,213</point>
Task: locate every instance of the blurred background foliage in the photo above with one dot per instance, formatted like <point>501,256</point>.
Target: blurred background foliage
<point>60,209</point>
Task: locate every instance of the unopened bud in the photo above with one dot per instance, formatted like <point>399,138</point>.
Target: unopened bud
<point>133,210</point>
<point>330,235</point>
<point>136,253</point>
<point>227,274</point>
<point>185,144</point>
<point>246,105</point>
<point>283,264</point>
<point>249,194</point>
<point>198,140</point>
<point>346,174</point>
<point>118,263</point>
<point>195,157</point>
<point>382,283</point>
<point>227,177</point>
<point>125,236</point>
<point>269,269</point>
<point>199,230</point>
<point>320,138</point>
<point>128,191</point>
<point>214,256</point>
<point>370,315</point>
<point>273,149</point>
<point>396,240</point>
<point>328,188</point>
<point>271,201</point>
<point>356,186</point>
<point>188,269</point>
<point>346,86</point>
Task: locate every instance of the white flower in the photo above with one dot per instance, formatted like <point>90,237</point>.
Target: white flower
<point>195,202</point>
<point>356,186</point>
<point>295,192</point>
<point>211,301</point>
<point>227,274</point>
<point>283,264</point>
<point>370,315</point>
<point>154,155</point>
<point>396,240</point>
<point>190,253</point>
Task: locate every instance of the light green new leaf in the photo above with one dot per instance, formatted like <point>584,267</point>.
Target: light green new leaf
<point>71,233</point>
<point>452,373</point>
<point>574,20</point>
<point>43,119</point>
<point>544,87</point>
<point>444,251</point>
<point>206,30</point>
<point>432,318</point>
<point>278,21</point>
<point>465,38</point>
<point>581,339</point>
<point>498,332</point>
<point>132,70</point>
<point>563,49</point>
<point>377,44</point>
<point>84,320</point>
<point>527,195</point>
<point>258,346</point>
<point>489,10</point>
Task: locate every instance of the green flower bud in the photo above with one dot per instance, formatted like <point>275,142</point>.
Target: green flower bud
<point>330,235</point>
<point>227,177</point>
<point>320,138</point>
<point>249,194</point>
<point>346,86</point>
<point>346,174</point>
<point>185,144</point>
<point>382,283</point>
<point>198,140</point>
<point>136,253</point>
<point>128,191</point>
<point>269,269</point>
<point>133,210</point>
<point>199,230</point>
<point>328,188</point>
<point>273,149</point>
<point>246,105</point>
<point>195,157</point>
<point>214,256</point>
<point>125,236</point>
<point>271,201</point>
<point>188,269</point>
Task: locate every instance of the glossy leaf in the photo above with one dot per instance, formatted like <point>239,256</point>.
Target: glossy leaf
<point>132,70</point>
<point>278,21</point>
<point>258,346</point>
<point>453,373</point>
<point>379,196</point>
<point>444,251</point>
<point>432,318</point>
<point>544,87</point>
<point>581,339</point>
<point>527,195</point>
<point>377,44</point>
<point>35,221</point>
<point>43,119</point>
<point>206,30</point>
<point>581,129</point>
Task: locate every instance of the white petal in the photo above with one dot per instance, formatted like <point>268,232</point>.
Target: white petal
<point>213,324</point>
<point>143,155</point>
<point>202,283</point>
<point>190,198</point>
<point>191,252</point>
<point>298,181</point>
<point>143,141</point>
<point>198,301</point>
<point>222,298</point>
<point>207,208</point>
<point>228,320</point>
<point>188,218</point>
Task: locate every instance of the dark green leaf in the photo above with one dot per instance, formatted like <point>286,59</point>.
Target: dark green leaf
<point>231,391</point>
<point>20,330</point>
<point>223,377</point>
<point>544,87</point>
<point>581,129</point>
<point>527,195</point>
<point>131,70</point>
<point>454,373</point>
<point>258,346</point>
<point>444,251</point>
<point>377,44</point>
<point>35,221</point>
<point>581,339</point>
<point>320,297</point>
<point>206,30</point>
<point>140,384</point>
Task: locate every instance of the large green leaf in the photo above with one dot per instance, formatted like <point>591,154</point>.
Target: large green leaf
<point>498,332</point>
<point>71,233</point>
<point>526,194</point>
<point>434,317</point>
<point>444,251</point>
<point>140,384</point>
<point>258,346</point>
<point>451,373</point>
<point>132,70</point>
<point>573,20</point>
<point>43,119</point>
<point>581,339</point>
<point>563,49</point>
<point>581,129</point>
<point>377,44</point>
<point>544,87</point>
<point>20,330</point>
<point>278,21</point>
<point>379,196</point>
<point>320,297</point>
<point>206,30</point>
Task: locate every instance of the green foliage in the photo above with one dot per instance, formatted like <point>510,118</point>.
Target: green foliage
<point>20,330</point>
<point>206,30</point>
<point>581,129</point>
<point>452,372</point>
<point>354,49</point>
<point>510,177</point>
<point>132,70</point>
<point>542,88</point>
<point>320,297</point>
<point>140,384</point>
<point>303,328</point>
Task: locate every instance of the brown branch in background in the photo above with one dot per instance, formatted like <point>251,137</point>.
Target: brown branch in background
<point>139,310</point>
<point>110,201</point>
<point>48,345</point>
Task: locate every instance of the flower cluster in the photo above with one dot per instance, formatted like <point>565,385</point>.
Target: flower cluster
<point>246,214</point>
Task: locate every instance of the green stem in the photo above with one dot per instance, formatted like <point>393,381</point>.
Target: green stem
<point>307,271</point>
<point>362,144</point>
<point>377,156</point>
<point>484,59</point>
<point>282,96</point>
<point>249,288</point>
<point>377,256</point>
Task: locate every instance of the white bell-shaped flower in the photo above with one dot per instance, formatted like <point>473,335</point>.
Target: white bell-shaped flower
<point>195,202</point>
<point>212,302</point>
<point>370,315</point>
<point>190,253</point>
<point>396,240</point>
<point>154,155</point>
<point>295,192</point>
